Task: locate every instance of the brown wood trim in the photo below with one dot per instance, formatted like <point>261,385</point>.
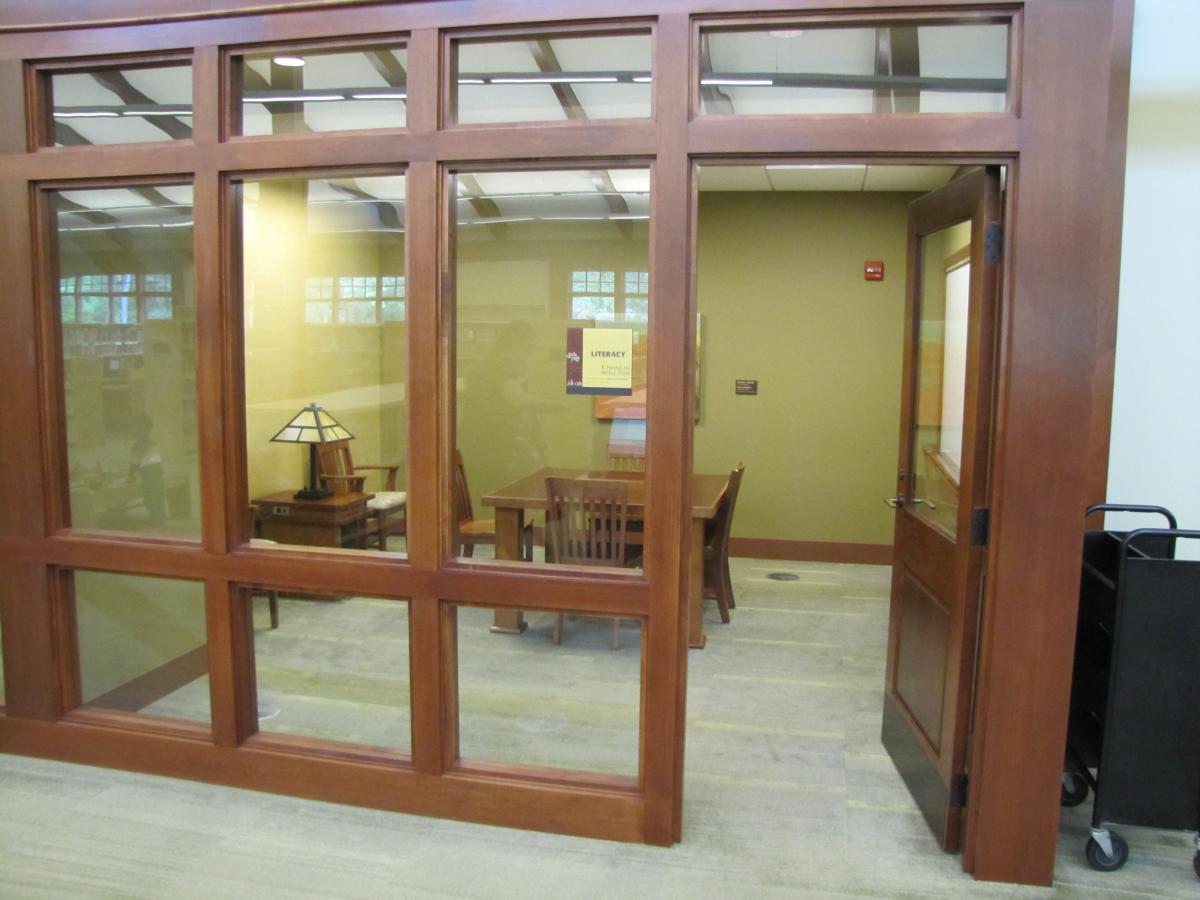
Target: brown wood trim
<point>185,752</point>
<point>670,399</point>
<point>138,693</point>
<point>811,551</point>
<point>232,674</point>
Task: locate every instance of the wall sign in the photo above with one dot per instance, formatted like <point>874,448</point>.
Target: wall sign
<point>746,387</point>
<point>600,361</point>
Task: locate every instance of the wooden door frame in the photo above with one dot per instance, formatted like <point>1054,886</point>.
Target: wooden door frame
<point>1066,130</point>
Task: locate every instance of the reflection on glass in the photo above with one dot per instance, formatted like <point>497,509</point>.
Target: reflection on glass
<point>958,67</point>
<point>142,645</point>
<point>121,105</point>
<point>128,313</point>
<point>552,294</point>
<point>323,90</point>
<point>551,79</point>
<point>333,668</point>
<point>326,341</point>
<point>941,375</point>
<point>571,705</point>
<point>1,669</point>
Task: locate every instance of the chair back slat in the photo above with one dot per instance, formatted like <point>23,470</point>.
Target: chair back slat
<point>586,519</point>
<point>723,521</point>
<point>334,458</point>
<point>463,510</point>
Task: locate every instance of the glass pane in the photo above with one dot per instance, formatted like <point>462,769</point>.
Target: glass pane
<point>952,67</point>
<point>1,669</point>
<point>130,385</point>
<point>551,79</point>
<point>525,699</point>
<point>142,645</point>
<point>121,105</point>
<point>941,375</point>
<point>547,378</point>
<point>323,90</point>
<point>333,668</point>
<point>315,238</point>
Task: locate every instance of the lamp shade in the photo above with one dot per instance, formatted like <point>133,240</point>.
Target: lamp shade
<point>312,425</point>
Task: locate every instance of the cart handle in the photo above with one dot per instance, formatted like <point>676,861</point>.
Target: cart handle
<point>1160,532</point>
<point>1118,507</point>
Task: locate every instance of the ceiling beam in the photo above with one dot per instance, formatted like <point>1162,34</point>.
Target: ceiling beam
<point>715,100</point>
<point>388,67</point>
<point>114,81</point>
<point>384,211</point>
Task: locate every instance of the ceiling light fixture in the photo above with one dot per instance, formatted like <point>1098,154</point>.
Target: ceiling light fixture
<point>641,79</point>
<point>291,62</point>
<point>157,112</point>
<point>470,81</point>
<point>815,166</point>
<point>556,79</point>
<point>85,115</point>
<point>786,32</point>
<point>738,82</point>
<point>379,96</point>
<point>306,98</point>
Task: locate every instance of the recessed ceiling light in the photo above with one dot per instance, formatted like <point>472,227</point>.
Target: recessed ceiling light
<point>292,62</point>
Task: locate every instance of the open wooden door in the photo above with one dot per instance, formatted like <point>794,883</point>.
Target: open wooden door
<point>954,239</point>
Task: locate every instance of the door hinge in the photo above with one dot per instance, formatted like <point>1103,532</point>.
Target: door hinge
<point>958,791</point>
<point>981,521</point>
<point>993,243</point>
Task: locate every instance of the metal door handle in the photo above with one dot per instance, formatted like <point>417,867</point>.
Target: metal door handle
<point>894,502</point>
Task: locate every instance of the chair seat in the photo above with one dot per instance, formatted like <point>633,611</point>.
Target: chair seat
<point>478,528</point>
<point>386,500</point>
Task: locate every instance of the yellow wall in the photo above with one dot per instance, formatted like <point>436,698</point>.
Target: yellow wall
<point>356,372</point>
<point>784,301</point>
<point>129,625</point>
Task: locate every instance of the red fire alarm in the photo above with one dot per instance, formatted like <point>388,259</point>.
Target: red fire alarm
<point>873,270</point>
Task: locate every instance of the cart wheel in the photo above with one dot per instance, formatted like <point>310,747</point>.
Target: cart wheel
<point>1101,861</point>
<point>1074,789</point>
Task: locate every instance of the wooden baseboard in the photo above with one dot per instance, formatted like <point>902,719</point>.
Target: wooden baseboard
<point>811,551</point>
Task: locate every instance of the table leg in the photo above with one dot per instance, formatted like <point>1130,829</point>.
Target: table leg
<point>508,546</point>
<point>696,636</point>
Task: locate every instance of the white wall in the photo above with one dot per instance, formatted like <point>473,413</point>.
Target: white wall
<point>1155,448</point>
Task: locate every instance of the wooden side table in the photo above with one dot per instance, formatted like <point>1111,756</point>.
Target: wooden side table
<point>337,521</point>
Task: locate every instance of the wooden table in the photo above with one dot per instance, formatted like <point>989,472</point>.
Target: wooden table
<point>511,502</point>
<point>336,521</point>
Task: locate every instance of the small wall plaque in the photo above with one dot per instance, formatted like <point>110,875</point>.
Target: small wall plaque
<point>746,387</point>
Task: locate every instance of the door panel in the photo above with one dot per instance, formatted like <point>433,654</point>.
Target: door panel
<point>945,428</point>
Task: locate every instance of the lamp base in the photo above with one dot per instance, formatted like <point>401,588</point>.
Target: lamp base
<point>306,494</point>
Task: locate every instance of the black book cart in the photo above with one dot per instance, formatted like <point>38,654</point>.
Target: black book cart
<point>1135,694</point>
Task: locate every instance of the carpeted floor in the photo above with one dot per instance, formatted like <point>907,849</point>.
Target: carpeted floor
<point>788,790</point>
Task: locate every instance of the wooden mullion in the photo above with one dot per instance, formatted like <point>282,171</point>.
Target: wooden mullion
<point>669,457</point>
<point>231,669</point>
<point>13,136</point>
<point>30,646</point>
<point>427,650</point>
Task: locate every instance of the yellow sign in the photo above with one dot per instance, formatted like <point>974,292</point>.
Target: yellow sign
<point>600,361</point>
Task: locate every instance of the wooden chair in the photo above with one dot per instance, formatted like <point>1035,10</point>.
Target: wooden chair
<point>717,582</point>
<point>470,531</point>
<point>626,462</point>
<point>339,473</point>
<point>586,525</point>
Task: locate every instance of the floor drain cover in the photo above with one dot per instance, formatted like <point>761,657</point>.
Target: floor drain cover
<point>784,576</point>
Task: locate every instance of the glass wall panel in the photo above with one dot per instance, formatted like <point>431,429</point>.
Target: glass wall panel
<point>2,701</point>
<point>142,645</point>
<point>127,308</point>
<point>552,78</point>
<point>941,376</point>
<point>552,308</point>
<point>322,90</point>
<point>565,694</point>
<point>334,668</point>
<point>326,339</point>
<point>952,67</point>
<point>120,104</point>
